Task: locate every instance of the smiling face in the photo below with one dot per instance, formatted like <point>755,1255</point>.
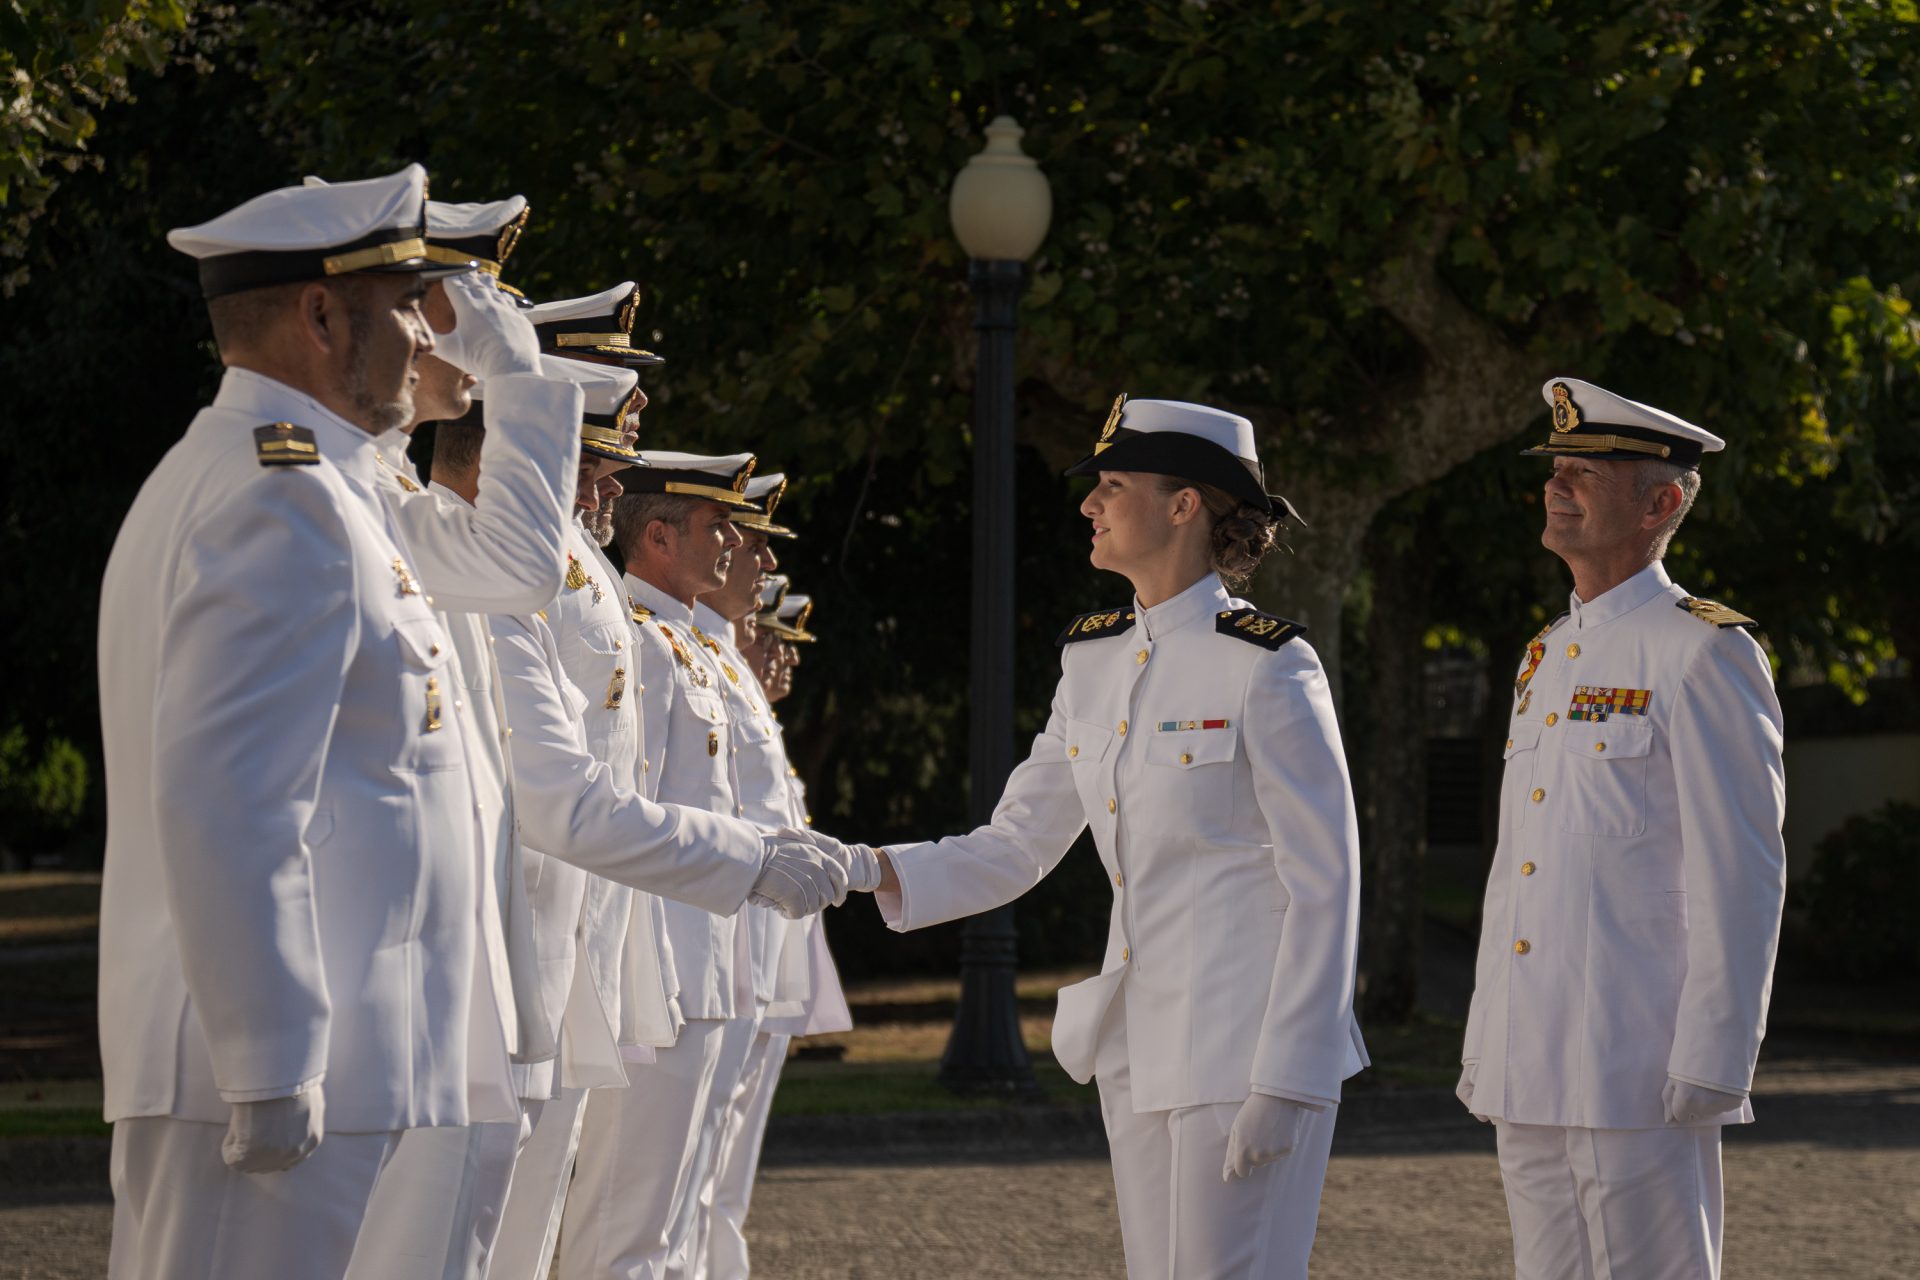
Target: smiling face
<point>1133,520</point>
<point>1593,511</point>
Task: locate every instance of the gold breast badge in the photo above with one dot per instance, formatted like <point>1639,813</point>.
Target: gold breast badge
<point>408,587</point>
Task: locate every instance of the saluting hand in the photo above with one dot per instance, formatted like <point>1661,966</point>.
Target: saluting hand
<point>491,338</point>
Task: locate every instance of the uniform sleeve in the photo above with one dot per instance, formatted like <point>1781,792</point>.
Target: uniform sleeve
<point>507,552</point>
<point>253,657</point>
<point>1037,820</point>
<point>1726,739</point>
<point>657,690</point>
<point>1300,781</point>
<point>571,807</point>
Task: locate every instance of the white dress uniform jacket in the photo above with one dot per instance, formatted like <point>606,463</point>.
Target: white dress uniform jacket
<point>292,877</point>
<point>578,801</point>
<point>688,734</point>
<point>1209,767</point>
<point>762,796</point>
<point>1633,908</point>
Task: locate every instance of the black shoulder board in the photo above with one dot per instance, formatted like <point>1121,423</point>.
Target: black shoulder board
<point>281,444</point>
<point>1711,611</point>
<point>1256,627</point>
<point>1091,626</point>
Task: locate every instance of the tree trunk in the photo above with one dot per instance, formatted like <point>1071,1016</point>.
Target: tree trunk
<point>1395,785</point>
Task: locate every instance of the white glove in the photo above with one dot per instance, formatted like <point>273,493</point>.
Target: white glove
<point>1694,1104</point>
<point>275,1135</point>
<point>860,860</point>
<point>491,336</point>
<point>1464,1090</point>
<point>798,879</point>
<point>1264,1131</point>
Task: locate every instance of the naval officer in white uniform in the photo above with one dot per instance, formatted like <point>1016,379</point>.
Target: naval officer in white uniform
<point>1196,736</point>
<point>1633,908</point>
<point>289,978</point>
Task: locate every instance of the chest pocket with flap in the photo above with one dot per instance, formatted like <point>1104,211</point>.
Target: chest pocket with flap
<point>1087,747</point>
<point>1604,772</point>
<point>1521,761</point>
<point>1190,774</point>
<point>428,693</point>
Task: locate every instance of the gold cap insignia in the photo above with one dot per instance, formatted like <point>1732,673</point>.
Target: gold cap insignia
<point>1566,413</point>
<point>745,474</point>
<point>1113,423</point>
<point>510,236</point>
<point>629,312</point>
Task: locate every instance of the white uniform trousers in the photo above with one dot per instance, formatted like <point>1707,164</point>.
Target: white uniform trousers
<point>530,1226</point>
<point>740,1158</point>
<point>635,1164</point>
<point>1179,1220</point>
<point>1612,1204</point>
<point>692,1230</point>
<point>437,1212</point>
<point>179,1213</point>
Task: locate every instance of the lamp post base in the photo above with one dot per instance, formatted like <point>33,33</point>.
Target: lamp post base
<point>986,1055</point>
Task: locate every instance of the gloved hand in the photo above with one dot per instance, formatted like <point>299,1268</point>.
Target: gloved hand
<point>1264,1131</point>
<point>1692,1103</point>
<point>1464,1090</point>
<point>798,879</point>
<point>860,860</point>
<point>491,336</point>
<point>275,1135</point>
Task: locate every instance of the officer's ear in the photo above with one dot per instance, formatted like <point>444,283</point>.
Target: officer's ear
<point>1184,506</point>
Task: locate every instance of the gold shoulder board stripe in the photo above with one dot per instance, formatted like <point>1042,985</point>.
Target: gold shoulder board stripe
<point>281,444</point>
<point>1712,611</point>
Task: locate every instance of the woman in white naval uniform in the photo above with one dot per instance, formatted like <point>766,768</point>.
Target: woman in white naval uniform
<point>1196,736</point>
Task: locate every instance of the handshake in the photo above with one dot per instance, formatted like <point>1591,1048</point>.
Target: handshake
<point>805,872</point>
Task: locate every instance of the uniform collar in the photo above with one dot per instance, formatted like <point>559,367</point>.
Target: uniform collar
<point>712,624</point>
<point>657,600</point>
<point>266,399</point>
<point>1201,600</point>
<point>436,487</point>
<point>1623,599</point>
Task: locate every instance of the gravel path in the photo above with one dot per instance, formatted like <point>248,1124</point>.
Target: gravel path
<point>1826,1185</point>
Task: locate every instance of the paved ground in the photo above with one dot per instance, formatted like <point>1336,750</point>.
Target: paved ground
<point>1827,1185</point>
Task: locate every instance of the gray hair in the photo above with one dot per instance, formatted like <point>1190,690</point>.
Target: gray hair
<point>1652,473</point>
<point>633,512</point>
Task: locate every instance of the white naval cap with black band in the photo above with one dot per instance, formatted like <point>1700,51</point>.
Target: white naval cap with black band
<point>789,619</point>
<point>295,234</point>
<point>599,324</point>
<point>721,478</point>
<point>765,492</point>
<point>1592,422</point>
<point>481,234</point>
<point>1187,441</point>
<point>607,395</point>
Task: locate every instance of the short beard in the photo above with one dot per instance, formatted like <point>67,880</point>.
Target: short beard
<point>380,416</point>
<point>599,524</point>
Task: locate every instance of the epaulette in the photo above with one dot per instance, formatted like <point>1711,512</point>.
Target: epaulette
<point>1255,627</point>
<point>281,444</point>
<point>1715,613</point>
<point>1091,626</point>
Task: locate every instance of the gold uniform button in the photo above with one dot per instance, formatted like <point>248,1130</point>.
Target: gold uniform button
<point>1521,947</point>
<point>1073,753</point>
<point>1509,744</point>
<point>433,651</point>
<point>1553,718</point>
<point>1526,868</point>
<point>1539,794</point>
<point>1126,953</point>
<point>1113,806</point>
<point>1140,658</point>
<point>1599,746</point>
<point>429,600</point>
<point>1123,728</point>
<point>1185,758</point>
<point>1573,650</point>
<point>619,643</point>
<point>1118,880</point>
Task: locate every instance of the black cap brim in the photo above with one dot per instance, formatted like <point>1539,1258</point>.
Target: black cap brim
<point>1186,457</point>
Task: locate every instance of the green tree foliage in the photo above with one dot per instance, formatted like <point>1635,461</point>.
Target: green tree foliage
<point>1373,228</point>
<point>1859,898</point>
<point>59,63</point>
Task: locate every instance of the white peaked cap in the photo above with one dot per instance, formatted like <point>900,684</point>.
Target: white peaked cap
<point>605,386</point>
<point>311,233</point>
<point>584,308</point>
<point>1228,430</point>
<point>1592,422</point>
<point>472,230</point>
<point>774,591</point>
<point>717,477</point>
<point>1187,441</point>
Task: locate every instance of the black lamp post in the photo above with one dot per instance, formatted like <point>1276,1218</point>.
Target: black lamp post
<point>1000,209</point>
